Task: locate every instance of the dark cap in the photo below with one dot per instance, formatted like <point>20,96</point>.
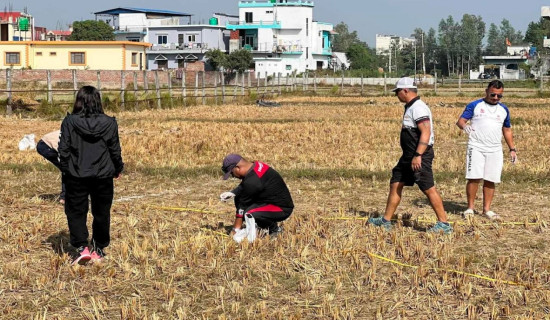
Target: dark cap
<point>229,162</point>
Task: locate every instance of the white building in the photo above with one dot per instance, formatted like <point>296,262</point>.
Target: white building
<point>384,43</point>
<point>282,36</point>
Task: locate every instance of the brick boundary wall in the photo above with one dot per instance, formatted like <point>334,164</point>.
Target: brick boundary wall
<point>24,79</point>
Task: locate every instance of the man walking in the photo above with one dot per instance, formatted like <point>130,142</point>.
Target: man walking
<point>415,164</point>
<point>489,122</point>
<point>262,196</point>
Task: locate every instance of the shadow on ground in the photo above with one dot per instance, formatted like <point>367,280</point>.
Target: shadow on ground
<point>60,243</point>
<point>451,207</point>
<point>49,197</point>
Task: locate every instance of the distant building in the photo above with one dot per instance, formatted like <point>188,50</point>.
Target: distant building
<point>501,67</point>
<point>93,55</point>
<point>58,35</point>
<point>16,26</point>
<point>282,36</point>
<point>40,33</point>
<point>175,41</point>
<point>385,43</point>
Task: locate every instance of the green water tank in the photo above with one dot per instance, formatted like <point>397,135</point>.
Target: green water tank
<point>273,1</point>
<point>23,24</point>
<point>213,21</point>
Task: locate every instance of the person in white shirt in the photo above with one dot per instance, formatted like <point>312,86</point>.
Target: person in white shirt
<point>489,122</point>
<point>415,165</point>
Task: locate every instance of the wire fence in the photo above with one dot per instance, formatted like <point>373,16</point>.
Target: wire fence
<point>193,88</point>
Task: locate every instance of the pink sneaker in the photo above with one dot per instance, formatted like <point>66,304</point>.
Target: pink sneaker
<point>83,256</point>
<point>97,256</point>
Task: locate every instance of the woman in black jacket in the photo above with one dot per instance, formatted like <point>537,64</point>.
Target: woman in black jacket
<point>90,157</point>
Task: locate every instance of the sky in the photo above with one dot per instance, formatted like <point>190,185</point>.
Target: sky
<point>367,17</point>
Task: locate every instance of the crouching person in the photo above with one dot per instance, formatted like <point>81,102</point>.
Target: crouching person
<point>262,198</point>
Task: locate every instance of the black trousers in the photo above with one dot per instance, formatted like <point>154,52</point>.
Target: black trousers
<point>267,215</point>
<point>52,156</point>
<point>100,192</point>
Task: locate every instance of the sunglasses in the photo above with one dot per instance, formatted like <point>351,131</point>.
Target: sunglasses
<point>492,95</point>
<point>397,91</point>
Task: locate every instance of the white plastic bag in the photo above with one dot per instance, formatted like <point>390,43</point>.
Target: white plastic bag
<point>240,235</point>
<point>250,227</point>
<point>249,232</point>
<point>27,143</point>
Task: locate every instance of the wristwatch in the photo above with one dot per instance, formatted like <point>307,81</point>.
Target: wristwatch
<point>513,149</point>
<point>416,154</point>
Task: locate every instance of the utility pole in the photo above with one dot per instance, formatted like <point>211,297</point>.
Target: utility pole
<point>423,55</point>
<point>414,59</point>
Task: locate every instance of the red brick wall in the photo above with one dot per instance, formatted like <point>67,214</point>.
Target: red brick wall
<point>110,79</point>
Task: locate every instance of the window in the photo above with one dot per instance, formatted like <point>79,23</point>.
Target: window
<point>39,53</point>
<point>269,11</point>
<point>307,53</point>
<point>180,38</point>
<point>132,39</point>
<point>248,17</point>
<point>288,67</point>
<point>191,38</point>
<point>307,27</point>
<point>53,53</point>
<point>78,58</point>
<point>134,59</point>
<point>162,64</point>
<point>162,39</point>
<point>181,63</point>
<point>13,58</point>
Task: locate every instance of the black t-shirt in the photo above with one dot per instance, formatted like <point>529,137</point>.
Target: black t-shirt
<point>263,185</point>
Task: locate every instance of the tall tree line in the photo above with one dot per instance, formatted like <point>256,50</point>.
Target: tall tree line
<point>456,47</point>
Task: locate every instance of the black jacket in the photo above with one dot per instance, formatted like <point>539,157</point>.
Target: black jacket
<point>89,147</point>
<point>263,185</point>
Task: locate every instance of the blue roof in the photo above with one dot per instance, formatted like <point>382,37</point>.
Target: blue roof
<point>120,10</point>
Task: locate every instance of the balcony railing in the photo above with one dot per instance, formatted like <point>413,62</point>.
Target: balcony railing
<point>254,25</point>
<point>189,46</point>
<point>274,48</point>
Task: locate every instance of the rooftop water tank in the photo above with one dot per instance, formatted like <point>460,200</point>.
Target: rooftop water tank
<point>213,21</point>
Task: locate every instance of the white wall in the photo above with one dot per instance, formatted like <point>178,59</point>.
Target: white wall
<point>132,20</point>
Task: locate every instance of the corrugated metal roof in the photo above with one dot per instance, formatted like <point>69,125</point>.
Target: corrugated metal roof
<point>120,10</point>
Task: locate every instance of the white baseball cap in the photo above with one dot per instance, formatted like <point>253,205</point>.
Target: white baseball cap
<point>404,83</point>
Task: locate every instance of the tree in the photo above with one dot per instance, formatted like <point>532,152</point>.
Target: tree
<point>447,41</point>
<point>216,58</point>
<point>238,61</point>
<point>471,40</point>
<point>496,40</point>
<point>344,39</point>
<point>360,57</point>
<point>432,51</point>
<point>536,31</point>
<point>493,37</point>
<point>91,30</point>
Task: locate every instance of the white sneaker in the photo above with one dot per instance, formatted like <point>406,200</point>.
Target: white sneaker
<point>468,213</point>
<point>493,216</point>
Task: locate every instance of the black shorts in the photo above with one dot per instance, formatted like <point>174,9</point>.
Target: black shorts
<point>423,178</point>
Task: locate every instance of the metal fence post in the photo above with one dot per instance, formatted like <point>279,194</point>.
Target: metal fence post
<point>157,89</point>
<point>8,80</point>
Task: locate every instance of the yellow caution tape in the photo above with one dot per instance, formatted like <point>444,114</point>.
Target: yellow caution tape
<point>216,232</point>
<point>451,222</point>
<point>447,270</point>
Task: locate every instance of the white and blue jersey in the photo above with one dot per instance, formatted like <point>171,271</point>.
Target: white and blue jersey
<point>487,121</point>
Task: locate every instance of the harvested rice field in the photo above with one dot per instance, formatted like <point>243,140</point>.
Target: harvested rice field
<point>171,258</point>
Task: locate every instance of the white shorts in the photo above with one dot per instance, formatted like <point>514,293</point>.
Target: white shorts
<point>484,165</point>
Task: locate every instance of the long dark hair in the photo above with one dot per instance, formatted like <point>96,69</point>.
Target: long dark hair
<point>88,102</point>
